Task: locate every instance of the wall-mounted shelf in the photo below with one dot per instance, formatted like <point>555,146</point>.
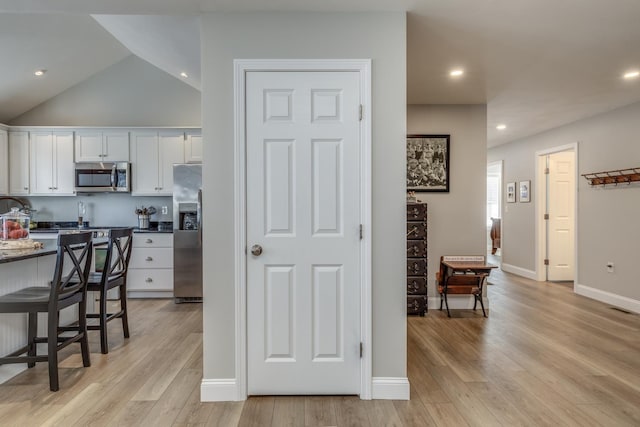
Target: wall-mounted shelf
<point>620,176</point>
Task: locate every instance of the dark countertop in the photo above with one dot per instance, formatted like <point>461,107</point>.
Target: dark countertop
<point>35,231</point>
<point>56,226</point>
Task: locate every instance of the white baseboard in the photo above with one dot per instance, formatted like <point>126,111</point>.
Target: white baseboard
<point>226,390</point>
<point>11,370</point>
<point>390,388</point>
<point>608,298</point>
<point>529,274</point>
<point>219,390</point>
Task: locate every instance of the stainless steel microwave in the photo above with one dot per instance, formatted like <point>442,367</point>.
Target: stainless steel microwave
<point>103,177</point>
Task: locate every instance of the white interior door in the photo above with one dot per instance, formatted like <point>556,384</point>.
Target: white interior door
<point>303,291</point>
<point>561,210</point>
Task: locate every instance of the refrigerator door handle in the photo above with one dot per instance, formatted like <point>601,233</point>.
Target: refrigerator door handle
<point>199,217</point>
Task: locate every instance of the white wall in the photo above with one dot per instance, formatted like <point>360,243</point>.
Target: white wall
<point>456,220</point>
<point>131,92</point>
<point>379,36</point>
<point>608,227</point>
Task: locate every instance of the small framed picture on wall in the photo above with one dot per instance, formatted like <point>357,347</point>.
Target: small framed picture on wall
<point>511,192</point>
<point>525,191</point>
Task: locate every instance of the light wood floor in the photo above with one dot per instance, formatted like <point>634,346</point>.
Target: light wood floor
<point>543,357</point>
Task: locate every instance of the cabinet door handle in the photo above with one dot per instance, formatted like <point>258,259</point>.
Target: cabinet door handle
<point>148,280</point>
<point>149,241</point>
<point>149,258</point>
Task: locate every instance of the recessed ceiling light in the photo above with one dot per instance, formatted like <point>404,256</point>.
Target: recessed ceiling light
<point>501,127</point>
<point>184,75</point>
<point>631,74</point>
<point>456,73</point>
<point>39,72</point>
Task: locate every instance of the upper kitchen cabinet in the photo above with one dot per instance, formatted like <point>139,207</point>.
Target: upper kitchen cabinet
<point>51,163</point>
<point>19,163</point>
<point>102,146</point>
<point>152,157</point>
<point>193,148</point>
<point>4,162</point>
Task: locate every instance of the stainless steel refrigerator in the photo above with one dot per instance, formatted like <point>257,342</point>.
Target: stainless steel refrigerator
<point>187,233</point>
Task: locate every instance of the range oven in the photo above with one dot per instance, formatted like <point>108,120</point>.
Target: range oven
<point>103,177</point>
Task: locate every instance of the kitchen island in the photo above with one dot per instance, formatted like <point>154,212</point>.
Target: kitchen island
<point>21,268</point>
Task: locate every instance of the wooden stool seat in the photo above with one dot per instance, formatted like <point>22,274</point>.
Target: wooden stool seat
<point>74,251</point>
<point>113,275</point>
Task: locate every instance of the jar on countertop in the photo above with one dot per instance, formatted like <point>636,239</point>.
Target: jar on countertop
<point>14,225</point>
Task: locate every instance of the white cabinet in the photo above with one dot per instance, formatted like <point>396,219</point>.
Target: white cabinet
<point>18,163</point>
<point>51,163</point>
<point>193,148</point>
<point>4,162</point>
<point>151,266</point>
<point>152,157</point>
<point>101,146</point>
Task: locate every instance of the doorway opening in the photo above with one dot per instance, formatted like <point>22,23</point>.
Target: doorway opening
<point>556,218</point>
<point>494,209</point>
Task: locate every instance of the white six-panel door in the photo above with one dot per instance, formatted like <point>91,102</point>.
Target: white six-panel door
<point>303,291</point>
<point>561,222</point>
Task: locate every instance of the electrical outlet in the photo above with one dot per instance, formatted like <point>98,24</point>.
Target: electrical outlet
<point>609,267</point>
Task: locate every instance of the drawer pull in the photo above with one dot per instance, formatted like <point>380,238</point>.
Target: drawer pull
<point>148,280</point>
<point>149,241</point>
<point>149,258</point>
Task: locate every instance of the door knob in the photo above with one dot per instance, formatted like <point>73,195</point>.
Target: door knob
<point>256,250</point>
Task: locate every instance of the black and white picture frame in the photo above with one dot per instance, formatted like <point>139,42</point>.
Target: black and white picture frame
<point>525,191</point>
<point>511,192</point>
<point>428,163</point>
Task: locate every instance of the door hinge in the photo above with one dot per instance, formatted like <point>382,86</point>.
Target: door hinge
<point>546,171</point>
<point>546,216</point>
<point>361,232</point>
<point>361,350</point>
<point>546,262</point>
<point>360,113</point>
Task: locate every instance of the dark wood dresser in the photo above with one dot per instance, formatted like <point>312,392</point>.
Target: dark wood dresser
<point>416,258</point>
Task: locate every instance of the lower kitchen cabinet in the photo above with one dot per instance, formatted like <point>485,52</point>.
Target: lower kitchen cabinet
<point>151,266</point>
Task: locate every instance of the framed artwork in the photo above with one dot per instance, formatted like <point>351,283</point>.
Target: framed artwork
<point>511,192</point>
<point>428,163</point>
<point>525,191</point>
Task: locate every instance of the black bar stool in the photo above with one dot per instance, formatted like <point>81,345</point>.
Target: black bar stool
<point>68,287</point>
<point>113,275</point>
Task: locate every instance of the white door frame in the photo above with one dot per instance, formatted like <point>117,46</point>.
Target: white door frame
<point>241,67</point>
<point>500,204</point>
<point>540,201</point>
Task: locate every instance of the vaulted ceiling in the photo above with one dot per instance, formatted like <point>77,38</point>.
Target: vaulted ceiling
<point>537,64</point>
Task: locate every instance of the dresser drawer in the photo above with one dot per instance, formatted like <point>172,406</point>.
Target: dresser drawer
<point>416,212</point>
<point>151,258</point>
<point>416,304</point>
<point>416,285</point>
<point>416,248</point>
<point>145,279</point>
<point>416,230</point>
<point>416,267</point>
<point>152,240</point>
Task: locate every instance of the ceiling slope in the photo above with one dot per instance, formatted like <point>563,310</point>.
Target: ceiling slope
<point>171,43</point>
<point>71,48</point>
